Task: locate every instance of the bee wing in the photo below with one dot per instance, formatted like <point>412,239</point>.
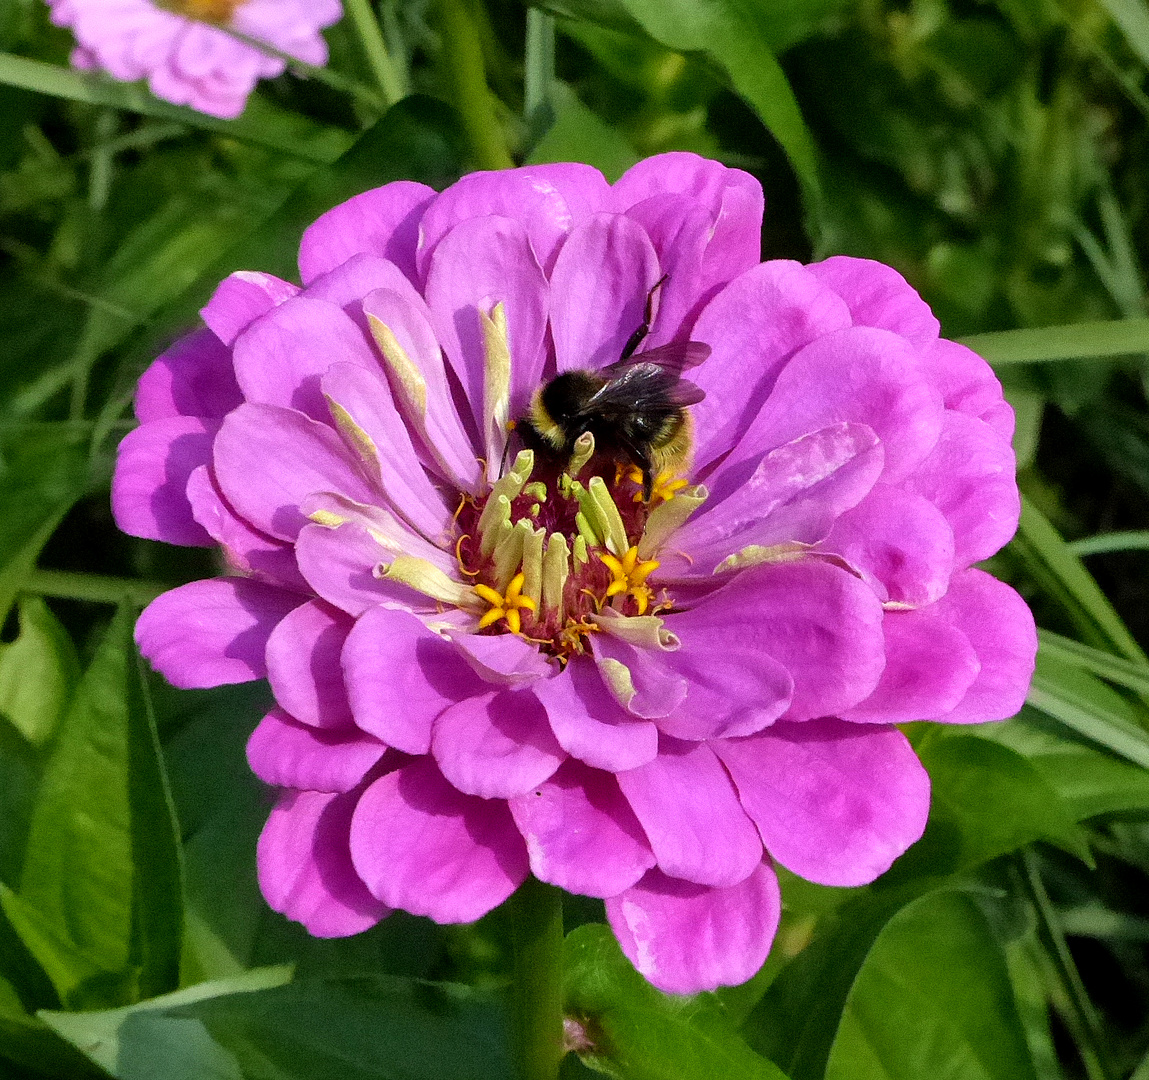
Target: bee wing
<point>643,387</point>
<point>674,358</point>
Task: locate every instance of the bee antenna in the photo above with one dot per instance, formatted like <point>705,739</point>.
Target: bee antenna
<point>648,317</point>
<point>511,425</point>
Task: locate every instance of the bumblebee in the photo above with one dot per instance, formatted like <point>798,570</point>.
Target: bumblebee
<point>634,408</point>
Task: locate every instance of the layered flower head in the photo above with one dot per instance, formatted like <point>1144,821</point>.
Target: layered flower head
<point>484,671</point>
<point>183,47</point>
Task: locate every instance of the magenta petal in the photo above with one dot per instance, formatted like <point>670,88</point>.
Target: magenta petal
<point>153,464</point>
<point>970,477</point>
<point>581,834</point>
<point>502,659</point>
<point>968,385</point>
<point>691,815</point>
<point>303,665</point>
<point>280,359</point>
<point>340,564</point>
<point>879,296</point>
<point>286,753</point>
<point>602,277</point>
<point>753,326</point>
<point>268,460</point>
<point>654,689</point>
<point>496,746</point>
<point>401,676</point>
<point>246,549</point>
<point>478,264</point>
<point>193,378</point>
<point>684,938</point>
<point>999,625</point>
<point>834,802</point>
<point>305,868</point>
<point>213,632</point>
<point>383,221</point>
<point>240,299</point>
<point>929,667</point>
<point>899,542</point>
<point>861,375</point>
<point>590,724</point>
<point>426,848</point>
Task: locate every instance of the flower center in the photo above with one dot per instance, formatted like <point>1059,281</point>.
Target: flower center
<point>212,11</point>
<point>549,549</point>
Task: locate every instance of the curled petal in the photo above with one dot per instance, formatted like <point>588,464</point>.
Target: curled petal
<point>834,802</point>
<point>285,753</point>
<point>422,846</point>
<point>303,665</point>
<point>210,633</point>
<point>968,385</point>
<point>305,868</point>
<point>240,299</point>
<point>684,938</point>
<point>193,378</point>
<point>504,659</point>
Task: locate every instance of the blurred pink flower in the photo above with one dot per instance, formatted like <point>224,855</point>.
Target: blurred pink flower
<point>465,693</point>
<point>180,49</point>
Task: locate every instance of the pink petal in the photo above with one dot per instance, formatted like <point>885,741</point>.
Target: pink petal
<point>153,464</point>
<point>280,359</point>
<point>193,378</point>
<point>213,632</point>
<point>240,299</point>
<point>900,543</point>
<point>246,549</point>
<point>305,868</point>
<point>879,296</point>
<point>601,279</point>
<point>968,385</point>
<point>753,326</point>
<point>286,753</point>
<point>929,667</point>
<point>590,724</point>
<point>426,848</point>
<point>502,659</point>
<point>401,676</point>
<point>684,938</point>
<point>691,815</point>
<point>834,802</point>
<point>970,477</point>
<point>999,625</point>
<point>478,264</point>
<point>303,665</point>
<point>269,459</point>
<point>861,375</point>
<point>383,221</point>
<point>655,689</point>
<point>581,834</point>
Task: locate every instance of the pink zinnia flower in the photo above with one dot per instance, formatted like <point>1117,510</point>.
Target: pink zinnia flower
<point>481,676</point>
<point>182,49</point>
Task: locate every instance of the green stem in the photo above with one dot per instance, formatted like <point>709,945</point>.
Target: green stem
<point>463,54</point>
<point>537,911</point>
<point>370,35</point>
<point>538,67</point>
<point>98,588</point>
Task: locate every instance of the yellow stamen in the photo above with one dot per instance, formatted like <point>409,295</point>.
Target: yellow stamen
<point>628,576</point>
<point>508,606</point>
<point>666,485</point>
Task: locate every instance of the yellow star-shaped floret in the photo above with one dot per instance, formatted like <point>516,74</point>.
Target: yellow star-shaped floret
<point>506,606</point>
<point>628,577</point>
<point>666,485</point>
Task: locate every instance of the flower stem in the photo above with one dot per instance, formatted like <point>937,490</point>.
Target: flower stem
<point>370,36</point>
<point>538,67</point>
<point>463,54</point>
<point>537,995</point>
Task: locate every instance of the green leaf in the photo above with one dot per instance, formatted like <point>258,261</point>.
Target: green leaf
<point>642,1034</point>
<point>28,1042</point>
<point>102,869</point>
<point>261,123</point>
<point>38,672</point>
<point>1078,341</point>
<point>1062,650</point>
<point>578,134</point>
<point>113,1035</point>
<point>737,35</point>
<point>1063,575</point>
<point>932,999</point>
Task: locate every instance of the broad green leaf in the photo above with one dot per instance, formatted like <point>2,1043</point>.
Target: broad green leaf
<point>28,1042</point>
<point>737,35</point>
<point>38,672</point>
<point>1028,409</point>
<point>1078,341</point>
<point>932,999</point>
<point>101,1035</point>
<point>20,768</point>
<point>577,134</point>
<point>641,1034</point>
<point>371,1028</point>
<point>1062,574</point>
<point>1087,706</point>
<point>102,868</point>
<point>261,123</point>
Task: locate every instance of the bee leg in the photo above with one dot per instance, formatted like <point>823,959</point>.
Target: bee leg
<point>647,318</point>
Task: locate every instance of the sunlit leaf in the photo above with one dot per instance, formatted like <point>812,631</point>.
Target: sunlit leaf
<point>1077,341</point>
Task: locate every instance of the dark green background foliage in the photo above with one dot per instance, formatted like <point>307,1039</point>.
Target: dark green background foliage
<point>995,151</point>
